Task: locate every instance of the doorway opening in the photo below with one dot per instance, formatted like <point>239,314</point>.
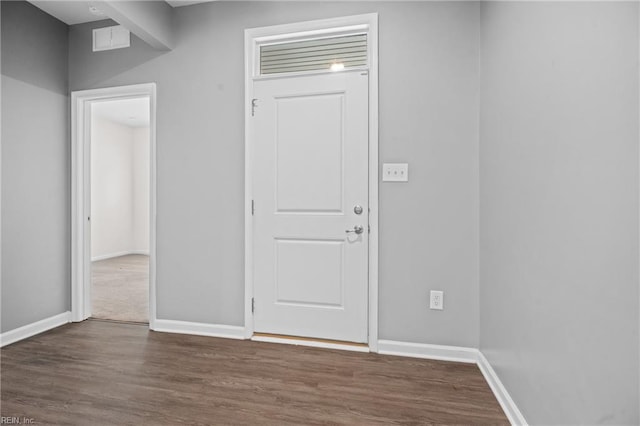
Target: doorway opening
<point>119,150</point>
<point>114,204</point>
<point>311,187</point>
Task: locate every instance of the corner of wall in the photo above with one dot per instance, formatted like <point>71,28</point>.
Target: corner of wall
<point>509,407</point>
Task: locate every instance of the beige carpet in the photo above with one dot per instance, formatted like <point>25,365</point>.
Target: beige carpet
<point>120,288</point>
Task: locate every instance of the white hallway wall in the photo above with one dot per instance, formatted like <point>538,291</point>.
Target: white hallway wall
<point>119,189</point>
<point>140,158</point>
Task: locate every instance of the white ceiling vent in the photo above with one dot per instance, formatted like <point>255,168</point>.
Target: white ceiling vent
<point>109,38</point>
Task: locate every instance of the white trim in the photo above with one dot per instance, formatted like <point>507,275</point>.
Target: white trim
<point>280,76</point>
<point>199,329</point>
<point>118,254</point>
<point>458,354</point>
<point>368,23</point>
<point>26,331</point>
<point>248,188</point>
<point>311,343</point>
<point>80,193</point>
<point>109,256</point>
<point>426,351</point>
<point>506,402</point>
<point>373,182</point>
<point>299,31</point>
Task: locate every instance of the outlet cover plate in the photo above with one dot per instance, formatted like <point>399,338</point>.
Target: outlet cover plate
<point>436,300</point>
<point>395,172</point>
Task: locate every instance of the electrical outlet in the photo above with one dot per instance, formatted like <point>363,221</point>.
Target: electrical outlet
<point>436,300</point>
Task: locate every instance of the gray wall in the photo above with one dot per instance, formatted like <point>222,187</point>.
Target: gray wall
<point>36,230</point>
<point>558,202</point>
<point>559,208</point>
<point>428,117</point>
<point>0,171</point>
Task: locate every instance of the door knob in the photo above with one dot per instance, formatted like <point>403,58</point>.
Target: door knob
<point>356,230</point>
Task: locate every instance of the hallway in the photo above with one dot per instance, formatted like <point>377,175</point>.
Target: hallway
<point>120,288</point>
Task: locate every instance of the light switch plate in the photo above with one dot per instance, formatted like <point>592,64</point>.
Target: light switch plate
<point>395,172</point>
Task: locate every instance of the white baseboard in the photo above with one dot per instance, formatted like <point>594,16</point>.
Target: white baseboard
<point>32,329</point>
<point>506,402</point>
<point>199,329</point>
<point>422,350</point>
<point>118,254</point>
<point>312,343</point>
<point>459,354</point>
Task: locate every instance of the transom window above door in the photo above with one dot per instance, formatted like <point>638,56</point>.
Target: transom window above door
<point>319,54</point>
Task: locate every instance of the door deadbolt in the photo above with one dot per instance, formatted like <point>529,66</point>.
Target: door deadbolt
<point>357,209</point>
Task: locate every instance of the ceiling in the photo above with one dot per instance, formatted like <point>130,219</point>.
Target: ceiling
<point>69,12</point>
<point>79,12</point>
<point>178,3</point>
<point>127,112</point>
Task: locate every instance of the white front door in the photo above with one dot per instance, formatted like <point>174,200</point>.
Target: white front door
<point>310,186</point>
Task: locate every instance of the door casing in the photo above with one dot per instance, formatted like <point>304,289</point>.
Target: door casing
<point>343,25</point>
<point>81,190</point>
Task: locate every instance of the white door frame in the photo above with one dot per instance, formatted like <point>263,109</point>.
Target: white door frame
<point>343,25</point>
<point>81,190</point>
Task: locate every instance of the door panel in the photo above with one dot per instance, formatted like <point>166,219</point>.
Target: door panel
<point>310,169</point>
<point>310,272</point>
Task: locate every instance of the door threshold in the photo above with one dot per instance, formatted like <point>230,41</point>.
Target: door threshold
<point>117,321</point>
<point>310,341</point>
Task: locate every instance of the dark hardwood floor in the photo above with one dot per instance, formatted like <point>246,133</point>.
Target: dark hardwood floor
<point>105,373</point>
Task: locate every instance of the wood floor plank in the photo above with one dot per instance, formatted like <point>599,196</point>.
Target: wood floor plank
<point>105,373</point>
